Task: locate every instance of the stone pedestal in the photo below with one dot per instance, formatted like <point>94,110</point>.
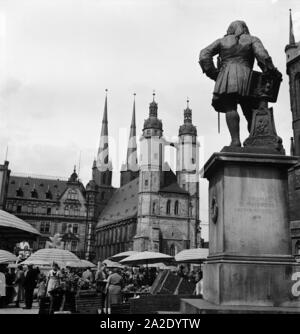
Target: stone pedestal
<point>250,260</point>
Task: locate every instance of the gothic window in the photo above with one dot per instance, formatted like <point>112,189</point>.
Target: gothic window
<point>103,178</point>
<point>176,208</point>
<point>172,250</point>
<point>102,196</point>
<point>168,207</point>
<point>154,207</point>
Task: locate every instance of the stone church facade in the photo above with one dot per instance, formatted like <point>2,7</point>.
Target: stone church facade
<point>154,208</point>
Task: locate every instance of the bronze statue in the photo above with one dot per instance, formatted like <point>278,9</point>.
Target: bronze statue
<point>236,52</point>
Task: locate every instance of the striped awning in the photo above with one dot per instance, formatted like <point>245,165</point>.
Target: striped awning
<point>193,255</point>
<point>146,258</point>
<point>121,256</point>
<point>7,257</point>
<point>14,224</point>
<point>87,264</point>
<point>50,255</point>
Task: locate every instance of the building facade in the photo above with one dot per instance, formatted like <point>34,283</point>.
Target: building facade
<point>53,207</point>
<point>292,51</point>
<point>154,208</point>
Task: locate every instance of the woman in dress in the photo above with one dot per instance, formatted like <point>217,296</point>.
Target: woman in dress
<point>53,282</point>
<point>113,288</point>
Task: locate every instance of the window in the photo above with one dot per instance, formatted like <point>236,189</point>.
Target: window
<point>72,194</point>
<point>172,250</point>
<point>45,227</point>
<point>102,196</point>
<point>19,208</point>
<point>168,207</point>
<point>67,211</point>
<point>48,211</point>
<point>42,244</point>
<point>74,246</point>
<point>19,192</point>
<point>75,228</point>
<point>64,228</point>
<point>34,193</point>
<point>297,248</point>
<point>176,208</point>
<point>49,195</point>
<point>154,207</point>
<point>146,183</point>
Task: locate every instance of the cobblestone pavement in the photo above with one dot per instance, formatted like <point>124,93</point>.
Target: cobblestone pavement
<point>19,310</point>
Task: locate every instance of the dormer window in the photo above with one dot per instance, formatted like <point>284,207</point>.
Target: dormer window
<point>19,192</point>
<point>34,193</point>
<point>49,195</point>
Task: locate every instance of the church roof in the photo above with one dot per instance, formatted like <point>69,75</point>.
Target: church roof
<point>122,205</point>
<point>173,188</point>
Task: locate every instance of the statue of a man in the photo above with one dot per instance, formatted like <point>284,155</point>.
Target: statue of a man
<point>237,51</point>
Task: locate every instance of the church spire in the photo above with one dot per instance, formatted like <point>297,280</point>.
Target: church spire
<point>131,159</point>
<point>292,37</point>
<point>103,152</point>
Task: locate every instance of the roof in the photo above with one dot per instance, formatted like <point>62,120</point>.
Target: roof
<point>42,185</point>
<point>122,205</point>
<point>173,188</point>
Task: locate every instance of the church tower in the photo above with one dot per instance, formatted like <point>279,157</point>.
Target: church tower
<point>187,171</point>
<point>292,51</point>
<point>130,170</point>
<point>150,177</point>
<point>99,188</point>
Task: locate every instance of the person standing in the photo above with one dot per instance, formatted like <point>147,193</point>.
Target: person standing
<point>53,282</point>
<point>29,284</point>
<point>113,288</point>
<point>19,281</point>
<point>100,279</point>
<point>2,287</point>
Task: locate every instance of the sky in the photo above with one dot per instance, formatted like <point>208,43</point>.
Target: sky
<point>57,57</point>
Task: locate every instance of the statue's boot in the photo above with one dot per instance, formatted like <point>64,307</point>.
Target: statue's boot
<point>233,123</point>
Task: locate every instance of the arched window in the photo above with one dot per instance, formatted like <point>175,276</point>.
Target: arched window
<point>176,208</point>
<point>154,207</point>
<point>168,207</point>
<point>172,250</point>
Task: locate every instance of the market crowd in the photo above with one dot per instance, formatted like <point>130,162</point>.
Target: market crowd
<point>20,283</point>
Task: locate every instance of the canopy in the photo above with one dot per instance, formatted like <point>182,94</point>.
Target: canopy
<point>121,256</point>
<point>11,225</point>
<point>193,255</point>
<point>36,262</point>
<point>112,264</point>
<point>7,257</point>
<point>87,264</point>
<point>162,266</point>
<point>146,258</point>
<point>50,255</point>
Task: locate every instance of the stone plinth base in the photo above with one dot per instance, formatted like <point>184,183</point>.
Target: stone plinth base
<point>250,259</point>
<point>201,306</point>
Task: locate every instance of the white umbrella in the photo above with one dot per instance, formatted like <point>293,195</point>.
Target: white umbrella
<point>12,225</point>
<point>7,257</point>
<point>36,262</point>
<point>50,255</point>
<point>121,256</point>
<point>74,264</point>
<point>87,264</point>
<point>146,258</point>
<point>112,264</point>
<point>162,266</point>
<point>194,255</point>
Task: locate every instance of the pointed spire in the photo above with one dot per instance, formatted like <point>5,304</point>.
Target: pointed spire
<point>187,112</point>
<point>103,153</point>
<point>131,159</point>
<point>187,128</point>
<point>292,37</point>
